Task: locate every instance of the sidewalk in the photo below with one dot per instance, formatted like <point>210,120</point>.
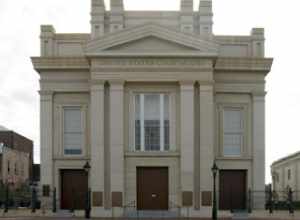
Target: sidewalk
<point>39,214</point>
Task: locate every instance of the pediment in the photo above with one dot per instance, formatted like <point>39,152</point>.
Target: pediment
<point>151,39</point>
<point>150,44</point>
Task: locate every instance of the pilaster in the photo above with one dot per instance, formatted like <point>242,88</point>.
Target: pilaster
<point>258,146</point>
<point>46,135</point>
<point>206,95</point>
<point>187,142</point>
<point>117,142</point>
<point>97,144</point>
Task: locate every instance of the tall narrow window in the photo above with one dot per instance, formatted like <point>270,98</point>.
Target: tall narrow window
<point>152,122</point>
<point>73,134</point>
<point>289,174</point>
<point>232,132</point>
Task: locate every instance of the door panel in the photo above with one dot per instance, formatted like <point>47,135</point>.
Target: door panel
<point>152,188</point>
<point>74,187</point>
<point>232,189</point>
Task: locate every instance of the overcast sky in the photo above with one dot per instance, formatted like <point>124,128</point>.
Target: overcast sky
<point>19,39</point>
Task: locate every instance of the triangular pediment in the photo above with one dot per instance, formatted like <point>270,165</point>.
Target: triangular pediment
<point>150,44</point>
<point>151,39</point>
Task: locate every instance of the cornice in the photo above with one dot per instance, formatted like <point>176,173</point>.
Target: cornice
<point>285,159</point>
<point>244,64</point>
<point>72,36</point>
<point>58,63</point>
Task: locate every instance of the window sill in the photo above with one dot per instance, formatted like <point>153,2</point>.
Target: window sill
<point>70,157</point>
<point>234,158</point>
<point>153,154</point>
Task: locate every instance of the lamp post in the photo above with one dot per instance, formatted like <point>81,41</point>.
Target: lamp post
<point>87,168</point>
<point>214,170</point>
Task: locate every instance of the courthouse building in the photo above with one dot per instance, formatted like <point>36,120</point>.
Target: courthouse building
<point>151,99</point>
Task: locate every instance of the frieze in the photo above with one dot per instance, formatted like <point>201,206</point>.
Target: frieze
<point>161,62</point>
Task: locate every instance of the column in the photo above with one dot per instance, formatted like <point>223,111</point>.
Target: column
<point>258,148</point>
<point>117,142</point>
<point>97,144</point>
<point>46,135</point>
<point>206,143</point>
<point>187,142</point>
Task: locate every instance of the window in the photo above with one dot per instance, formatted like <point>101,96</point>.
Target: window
<point>289,174</point>
<point>73,132</point>
<point>16,169</point>
<point>8,167</point>
<point>232,132</point>
<point>152,125</point>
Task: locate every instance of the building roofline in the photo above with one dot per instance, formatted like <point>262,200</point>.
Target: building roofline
<point>285,158</point>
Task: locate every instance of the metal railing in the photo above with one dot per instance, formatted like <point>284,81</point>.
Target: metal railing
<point>25,196</point>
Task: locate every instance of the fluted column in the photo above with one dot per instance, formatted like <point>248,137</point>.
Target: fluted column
<point>206,142</point>
<point>258,147</point>
<point>187,142</point>
<point>117,142</point>
<point>97,144</point>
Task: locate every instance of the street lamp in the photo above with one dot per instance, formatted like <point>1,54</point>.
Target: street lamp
<point>214,170</point>
<point>87,168</point>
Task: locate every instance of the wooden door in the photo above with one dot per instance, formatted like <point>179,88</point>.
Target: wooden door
<point>74,187</point>
<point>232,187</point>
<point>152,188</point>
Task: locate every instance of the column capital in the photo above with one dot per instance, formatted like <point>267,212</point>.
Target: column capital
<point>97,82</point>
<point>97,87</point>
<point>46,92</point>
<point>116,85</point>
<point>206,88</point>
<point>187,82</point>
<point>258,94</point>
<point>114,82</point>
<point>46,95</point>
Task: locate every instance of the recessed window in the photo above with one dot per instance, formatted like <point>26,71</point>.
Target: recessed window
<point>232,132</point>
<point>8,167</point>
<point>152,124</point>
<point>73,132</point>
<point>16,169</point>
<point>289,174</point>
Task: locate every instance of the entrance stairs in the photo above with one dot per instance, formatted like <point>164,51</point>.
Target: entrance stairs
<point>64,214</point>
<point>240,215</point>
<point>151,214</point>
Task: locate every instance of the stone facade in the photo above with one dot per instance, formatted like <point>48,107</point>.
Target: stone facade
<point>14,168</point>
<point>173,53</point>
<point>285,174</point>
<point>18,143</point>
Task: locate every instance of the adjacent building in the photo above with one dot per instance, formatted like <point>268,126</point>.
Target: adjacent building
<point>14,167</point>
<point>285,174</point>
<point>151,99</point>
<point>16,158</point>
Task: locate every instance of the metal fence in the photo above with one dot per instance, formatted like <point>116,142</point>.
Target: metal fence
<point>25,196</point>
<point>273,200</point>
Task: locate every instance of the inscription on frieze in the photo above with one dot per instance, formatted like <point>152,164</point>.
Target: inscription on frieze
<point>152,62</point>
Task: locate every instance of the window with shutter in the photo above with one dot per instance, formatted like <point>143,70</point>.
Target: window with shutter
<point>73,134</point>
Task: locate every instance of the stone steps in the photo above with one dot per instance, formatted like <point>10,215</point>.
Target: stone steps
<point>151,214</point>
